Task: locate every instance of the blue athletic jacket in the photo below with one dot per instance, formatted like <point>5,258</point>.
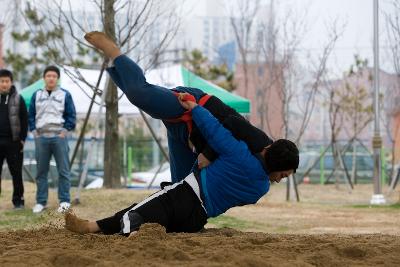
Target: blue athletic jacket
<point>236,177</point>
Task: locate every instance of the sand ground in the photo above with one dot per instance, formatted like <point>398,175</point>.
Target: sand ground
<point>329,227</point>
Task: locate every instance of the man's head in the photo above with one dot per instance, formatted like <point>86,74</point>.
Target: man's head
<point>51,74</point>
<point>281,159</point>
<point>6,80</point>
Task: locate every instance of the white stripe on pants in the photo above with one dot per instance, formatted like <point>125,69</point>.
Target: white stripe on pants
<point>190,180</point>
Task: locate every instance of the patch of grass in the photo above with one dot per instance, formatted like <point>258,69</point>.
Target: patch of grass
<point>281,229</point>
<point>21,219</point>
<point>393,206</point>
<point>232,222</point>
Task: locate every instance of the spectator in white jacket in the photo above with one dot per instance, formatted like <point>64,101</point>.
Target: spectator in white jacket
<point>51,117</point>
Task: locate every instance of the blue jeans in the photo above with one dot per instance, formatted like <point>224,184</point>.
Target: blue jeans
<point>160,103</point>
<point>45,148</point>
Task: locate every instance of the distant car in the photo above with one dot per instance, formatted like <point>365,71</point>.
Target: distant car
<point>150,178</point>
<point>29,174</point>
<point>142,180</point>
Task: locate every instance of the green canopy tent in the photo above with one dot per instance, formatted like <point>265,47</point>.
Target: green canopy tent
<point>240,104</point>
<point>27,92</point>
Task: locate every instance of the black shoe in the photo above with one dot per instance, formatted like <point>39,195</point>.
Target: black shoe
<point>19,207</point>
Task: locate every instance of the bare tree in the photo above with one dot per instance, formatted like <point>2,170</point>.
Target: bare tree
<point>6,19</point>
<point>346,100</point>
<point>9,15</point>
<point>142,28</point>
<point>393,27</point>
<point>272,65</point>
<point>318,70</point>
<point>279,49</point>
<point>335,122</point>
<point>393,95</point>
<point>243,27</point>
<point>392,127</point>
<point>348,107</point>
<point>9,20</point>
<point>111,144</point>
<point>356,103</point>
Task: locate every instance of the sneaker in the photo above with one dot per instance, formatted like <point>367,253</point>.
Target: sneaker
<point>64,207</point>
<point>38,208</point>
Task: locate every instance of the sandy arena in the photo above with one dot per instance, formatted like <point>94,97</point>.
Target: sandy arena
<point>326,229</point>
<point>214,247</point>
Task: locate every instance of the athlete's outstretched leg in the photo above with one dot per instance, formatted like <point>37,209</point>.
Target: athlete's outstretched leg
<point>110,225</point>
<point>157,101</point>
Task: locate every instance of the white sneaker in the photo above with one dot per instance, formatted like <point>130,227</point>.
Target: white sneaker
<point>38,208</point>
<point>64,206</point>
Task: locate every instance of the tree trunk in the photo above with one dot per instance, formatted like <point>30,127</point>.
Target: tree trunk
<point>112,173</point>
<point>354,164</point>
<point>336,164</point>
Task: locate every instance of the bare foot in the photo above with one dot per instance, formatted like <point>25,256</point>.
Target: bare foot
<point>75,224</point>
<point>103,43</point>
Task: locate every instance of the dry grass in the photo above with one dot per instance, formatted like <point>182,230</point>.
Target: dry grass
<point>323,209</point>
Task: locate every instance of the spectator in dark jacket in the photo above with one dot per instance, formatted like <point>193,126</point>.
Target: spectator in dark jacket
<point>13,131</point>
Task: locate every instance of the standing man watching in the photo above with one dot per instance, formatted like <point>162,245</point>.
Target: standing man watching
<point>51,117</point>
<point>13,131</point>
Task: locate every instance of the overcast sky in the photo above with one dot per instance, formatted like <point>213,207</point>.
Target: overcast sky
<point>357,38</point>
<point>358,34</point>
<point>357,15</point>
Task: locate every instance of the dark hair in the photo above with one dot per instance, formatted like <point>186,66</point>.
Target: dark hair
<point>282,155</point>
<point>51,68</point>
<point>6,73</point>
